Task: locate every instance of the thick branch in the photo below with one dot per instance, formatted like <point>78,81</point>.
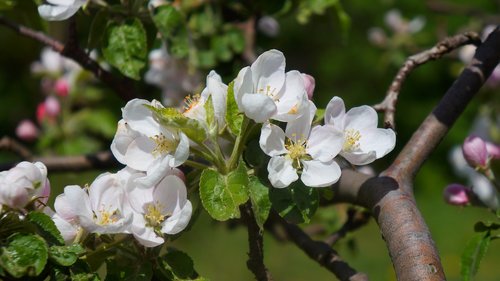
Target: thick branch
<point>256,246</point>
<point>124,87</point>
<point>388,105</point>
<point>101,160</point>
<point>319,251</point>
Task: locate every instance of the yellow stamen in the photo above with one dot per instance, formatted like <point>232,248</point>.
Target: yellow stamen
<point>296,151</point>
<point>190,102</point>
<point>351,141</point>
<point>153,215</point>
<point>294,109</point>
<point>269,92</point>
<point>107,217</point>
<point>163,145</point>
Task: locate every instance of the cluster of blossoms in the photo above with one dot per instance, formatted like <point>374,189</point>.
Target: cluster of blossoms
<point>474,160</point>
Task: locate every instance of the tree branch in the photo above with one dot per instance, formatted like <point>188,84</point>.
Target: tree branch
<point>355,219</point>
<point>10,144</point>
<point>319,251</point>
<point>388,105</point>
<point>256,246</point>
<point>123,87</point>
<point>101,160</point>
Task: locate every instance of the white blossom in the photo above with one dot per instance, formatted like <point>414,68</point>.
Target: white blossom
<point>143,144</point>
<point>58,10</point>
<point>363,141</point>
<point>264,91</point>
<point>163,208</point>
<point>301,150</point>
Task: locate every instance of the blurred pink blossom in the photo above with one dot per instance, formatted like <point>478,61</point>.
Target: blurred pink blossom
<point>27,131</point>
<point>61,87</point>
<point>309,84</point>
<point>456,194</point>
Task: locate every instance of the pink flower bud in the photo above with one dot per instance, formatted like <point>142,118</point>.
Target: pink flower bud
<point>474,150</point>
<point>41,113</point>
<point>61,88</point>
<point>309,84</point>
<point>26,130</point>
<point>493,150</point>
<point>52,106</point>
<point>456,194</point>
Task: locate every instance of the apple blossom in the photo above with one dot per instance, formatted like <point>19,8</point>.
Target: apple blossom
<point>69,229</point>
<point>163,208</point>
<point>57,10</point>
<point>263,91</point>
<point>457,194</point>
<point>310,84</point>
<point>100,208</point>
<point>27,131</point>
<point>23,184</point>
<point>300,149</point>
<point>52,106</point>
<point>61,87</point>
<point>363,141</point>
<point>145,145</point>
<point>475,152</point>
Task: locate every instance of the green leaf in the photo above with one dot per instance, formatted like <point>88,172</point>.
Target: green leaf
<point>221,195</point>
<point>261,205</point>
<point>10,223</point>
<point>125,47</point>
<point>180,264</point>
<point>220,46</point>
<point>46,227</point>
<point>235,40</point>
<point>172,118</point>
<point>97,29</point>
<point>24,255</point>
<point>210,117</point>
<point>234,118</point>
<point>486,226</point>
<point>7,4</point>
<point>319,116</point>
<point>296,203</point>
<point>473,254</point>
<point>65,255</point>
<point>80,271</point>
<point>168,20</point>
<point>121,268</point>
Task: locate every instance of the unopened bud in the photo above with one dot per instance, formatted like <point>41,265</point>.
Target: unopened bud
<point>268,26</point>
<point>26,130</point>
<point>456,194</point>
<point>493,150</point>
<point>309,84</point>
<point>475,153</point>
<point>52,106</point>
<point>61,88</point>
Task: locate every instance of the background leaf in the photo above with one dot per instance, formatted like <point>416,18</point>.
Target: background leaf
<point>473,254</point>
<point>46,227</point>
<point>296,203</point>
<point>259,195</point>
<point>24,255</point>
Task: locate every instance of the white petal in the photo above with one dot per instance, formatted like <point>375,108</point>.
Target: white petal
<point>320,174</point>
<point>361,118</point>
<point>123,137</point>
<point>382,141</point>
<point>281,172</point>
<point>155,173</point>
<point>301,127</point>
<point>182,151</point>
<point>64,208</point>
<point>359,157</point>
<point>79,200</point>
<point>242,84</point>
<point>258,107</point>
<point>179,220</point>
<point>170,193</point>
<point>293,102</point>
<point>218,91</point>
<point>334,113</point>
<point>140,118</point>
<point>268,70</point>
<point>272,140</point>
<point>148,238</point>
<point>139,155</point>
<point>324,143</point>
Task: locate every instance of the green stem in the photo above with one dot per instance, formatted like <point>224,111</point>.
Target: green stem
<point>106,247</point>
<point>239,144</point>
<point>196,165</point>
<point>203,152</point>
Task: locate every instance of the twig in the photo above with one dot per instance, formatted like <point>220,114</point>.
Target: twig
<point>388,105</point>
<point>355,219</point>
<point>10,144</point>
<point>319,251</point>
<point>248,28</point>
<point>79,163</point>
<point>124,87</point>
<point>256,248</point>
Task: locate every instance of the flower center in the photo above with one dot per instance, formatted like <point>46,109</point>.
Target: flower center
<point>107,217</point>
<point>294,109</point>
<point>153,215</point>
<point>164,145</point>
<point>190,102</point>
<point>296,151</point>
<point>351,141</point>
<point>270,92</point>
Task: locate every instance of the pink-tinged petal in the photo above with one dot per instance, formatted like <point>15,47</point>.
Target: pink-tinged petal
<point>300,128</point>
<point>272,140</point>
<point>324,143</point>
<point>68,230</point>
<point>493,150</point>
<point>64,208</point>
<point>359,157</point>
<point>335,112</point>
<point>242,84</point>
<point>382,141</point>
<point>258,107</point>
<point>139,155</point>
<point>456,194</point>
<point>139,197</point>
<point>309,84</point>
<point>320,174</point>
<point>475,152</point>
<point>179,220</point>
<point>79,201</point>
<point>170,192</point>
<point>281,172</point>
<point>268,71</point>
<point>107,191</point>
<point>140,118</point>
<point>361,118</point>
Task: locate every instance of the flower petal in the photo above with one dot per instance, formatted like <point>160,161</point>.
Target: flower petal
<point>140,118</point>
<point>281,172</point>
<point>179,220</point>
<point>242,84</point>
<point>320,174</point>
<point>382,141</point>
<point>272,140</point>
<point>218,91</point>
<point>268,71</point>
<point>139,155</point>
<point>359,157</point>
<point>324,143</point>
<point>300,128</point>
<point>334,113</point>
<point>258,107</point>
<point>361,118</point>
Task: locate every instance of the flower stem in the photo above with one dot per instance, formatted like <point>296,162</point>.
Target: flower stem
<point>196,165</point>
<point>238,145</point>
<point>105,247</point>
